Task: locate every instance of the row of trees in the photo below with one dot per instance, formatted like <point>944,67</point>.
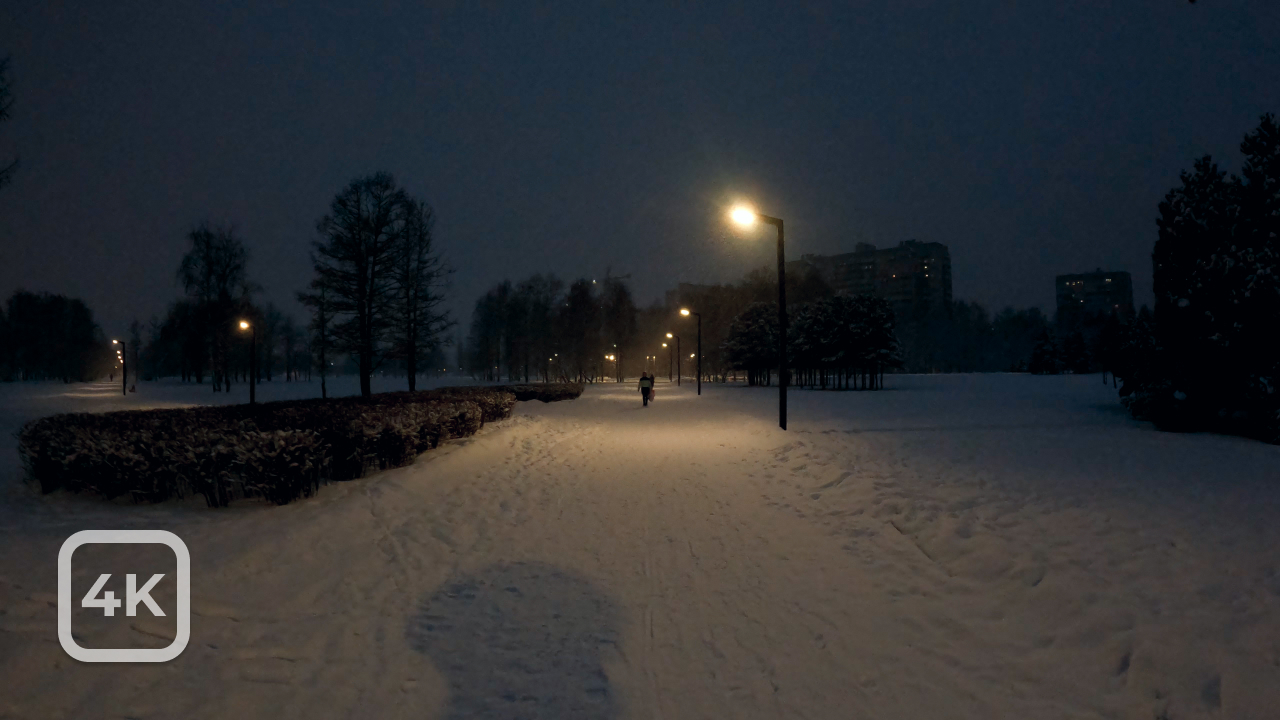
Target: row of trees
<point>968,338</point>
<point>720,305</point>
<point>538,328</point>
<point>1085,348</point>
<point>541,328</point>
<point>50,337</point>
<point>593,329</point>
<point>376,297</point>
<point>1207,358</point>
<point>200,336</point>
<point>177,345</point>
<point>831,342</point>
<point>379,284</point>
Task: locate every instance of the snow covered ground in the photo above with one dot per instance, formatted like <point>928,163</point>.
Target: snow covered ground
<point>996,546</point>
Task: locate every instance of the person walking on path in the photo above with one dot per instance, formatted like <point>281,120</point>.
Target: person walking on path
<point>646,387</point>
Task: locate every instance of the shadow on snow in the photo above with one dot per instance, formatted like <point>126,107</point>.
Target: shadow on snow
<point>519,640</point>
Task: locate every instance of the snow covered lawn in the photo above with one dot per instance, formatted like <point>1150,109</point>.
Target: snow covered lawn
<point>952,547</point>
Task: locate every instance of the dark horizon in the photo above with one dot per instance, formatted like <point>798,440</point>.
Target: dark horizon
<point>1031,141</point>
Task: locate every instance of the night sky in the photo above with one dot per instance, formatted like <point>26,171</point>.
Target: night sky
<point>1033,138</point>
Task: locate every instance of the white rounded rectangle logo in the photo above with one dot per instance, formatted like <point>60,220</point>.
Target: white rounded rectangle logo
<point>137,594</point>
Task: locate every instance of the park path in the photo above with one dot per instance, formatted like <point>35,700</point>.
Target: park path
<point>598,559</point>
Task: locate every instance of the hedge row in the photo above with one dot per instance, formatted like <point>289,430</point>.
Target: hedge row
<point>277,451</point>
<point>546,393</point>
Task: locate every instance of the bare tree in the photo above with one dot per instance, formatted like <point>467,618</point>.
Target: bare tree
<point>321,318</point>
<point>421,276</point>
<point>213,274</point>
<point>269,338</point>
<point>355,260</point>
<point>291,341</point>
<point>135,347</point>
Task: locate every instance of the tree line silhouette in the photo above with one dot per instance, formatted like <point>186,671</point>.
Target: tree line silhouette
<point>831,343</point>
<point>541,329</point>
<point>51,337</point>
<point>376,297</point>
<point>590,329</point>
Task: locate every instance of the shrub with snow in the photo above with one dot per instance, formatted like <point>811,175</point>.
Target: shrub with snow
<point>275,451</point>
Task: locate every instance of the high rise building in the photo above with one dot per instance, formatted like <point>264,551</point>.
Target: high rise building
<point>915,277</point>
<point>1089,295</point>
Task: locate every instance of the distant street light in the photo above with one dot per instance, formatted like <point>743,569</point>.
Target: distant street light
<point>686,312</point>
<point>679,369</point>
<point>747,217</point>
<point>670,361</point>
<point>253,360</point>
<point>123,354</point>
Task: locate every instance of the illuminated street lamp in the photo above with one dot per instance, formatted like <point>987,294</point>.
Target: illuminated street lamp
<point>253,360</point>
<point>747,217</point>
<point>123,355</point>
<point>679,368</point>
<point>686,312</point>
<point>670,361</point>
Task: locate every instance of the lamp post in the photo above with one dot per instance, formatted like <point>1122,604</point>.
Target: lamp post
<point>679,370</point>
<point>253,360</point>
<point>670,353</point>
<point>123,354</point>
<point>686,312</point>
<point>747,217</point>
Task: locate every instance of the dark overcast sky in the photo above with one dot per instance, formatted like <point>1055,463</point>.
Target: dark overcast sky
<point>1033,138</point>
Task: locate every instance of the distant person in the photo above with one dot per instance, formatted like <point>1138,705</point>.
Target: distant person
<point>646,387</point>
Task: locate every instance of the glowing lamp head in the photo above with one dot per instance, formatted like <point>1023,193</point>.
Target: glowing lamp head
<point>664,344</point>
<point>244,325</point>
<point>743,215</point>
<point>684,312</point>
<point>115,342</point>
<point>670,335</point>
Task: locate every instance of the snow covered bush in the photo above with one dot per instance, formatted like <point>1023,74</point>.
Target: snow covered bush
<point>544,392</point>
<point>275,451</point>
<point>495,403</point>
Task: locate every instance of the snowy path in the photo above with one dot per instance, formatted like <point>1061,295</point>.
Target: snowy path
<point>963,547</point>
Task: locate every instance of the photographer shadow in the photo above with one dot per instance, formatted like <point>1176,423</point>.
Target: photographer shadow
<point>519,640</point>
